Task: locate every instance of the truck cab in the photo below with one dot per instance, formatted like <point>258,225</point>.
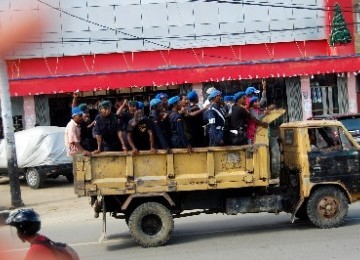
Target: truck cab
<point>321,159</point>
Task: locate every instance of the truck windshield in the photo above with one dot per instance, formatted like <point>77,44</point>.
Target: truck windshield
<point>329,137</point>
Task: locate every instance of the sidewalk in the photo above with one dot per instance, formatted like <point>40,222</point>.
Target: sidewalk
<point>56,202</point>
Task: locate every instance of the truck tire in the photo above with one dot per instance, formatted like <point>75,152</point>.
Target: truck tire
<point>327,207</point>
<point>150,224</point>
<point>33,178</point>
<point>70,177</point>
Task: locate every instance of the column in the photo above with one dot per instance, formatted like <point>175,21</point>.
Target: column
<point>29,118</point>
<point>306,97</point>
<point>198,88</point>
<point>351,84</point>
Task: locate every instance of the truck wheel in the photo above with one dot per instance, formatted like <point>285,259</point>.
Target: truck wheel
<point>70,177</point>
<point>327,207</point>
<point>33,178</point>
<point>150,224</point>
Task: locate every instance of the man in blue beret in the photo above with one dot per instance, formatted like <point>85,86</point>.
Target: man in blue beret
<point>140,135</point>
<point>177,128</point>
<point>157,118</point>
<point>239,119</point>
<point>229,102</point>
<point>194,120</point>
<point>73,133</point>
<point>107,129</point>
<point>216,119</point>
<point>164,99</point>
<point>253,92</point>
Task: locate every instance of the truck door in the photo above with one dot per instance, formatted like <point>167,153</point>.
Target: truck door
<point>333,158</point>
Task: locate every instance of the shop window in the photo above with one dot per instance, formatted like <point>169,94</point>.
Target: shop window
<point>324,95</point>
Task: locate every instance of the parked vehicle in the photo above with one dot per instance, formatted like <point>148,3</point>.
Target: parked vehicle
<point>317,180</point>
<point>350,121</point>
<point>40,154</point>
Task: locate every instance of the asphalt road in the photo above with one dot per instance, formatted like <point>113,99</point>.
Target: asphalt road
<point>251,236</point>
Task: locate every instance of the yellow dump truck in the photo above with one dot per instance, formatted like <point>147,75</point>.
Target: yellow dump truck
<point>319,178</point>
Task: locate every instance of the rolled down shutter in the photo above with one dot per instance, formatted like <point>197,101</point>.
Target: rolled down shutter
<point>343,94</point>
<point>293,94</point>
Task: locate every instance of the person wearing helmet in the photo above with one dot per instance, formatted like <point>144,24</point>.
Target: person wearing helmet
<point>27,223</point>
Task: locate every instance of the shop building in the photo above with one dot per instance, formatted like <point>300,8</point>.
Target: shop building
<point>135,49</point>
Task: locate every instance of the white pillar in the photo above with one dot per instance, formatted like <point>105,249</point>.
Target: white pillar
<point>29,118</point>
<point>306,97</point>
<point>198,88</point>
<point>352,95</point>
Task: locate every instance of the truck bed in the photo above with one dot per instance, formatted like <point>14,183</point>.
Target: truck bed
<point>115,173</point>
<point>118,173</point>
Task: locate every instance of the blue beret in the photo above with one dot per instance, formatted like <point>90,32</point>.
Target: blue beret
<point>192,95</point>
<point>161,96</point>
<point>140,105</point>
<point>253,99</point>
<point>105,103</point>
<point>239,95</point>
<point>133,103</point>
<point>251,90</point>
<point>154,102</point>
<point>214,93</point>
<point>173,100</point>
<point>229,98</point>
<point>76,111</point>
<point>82,106</point>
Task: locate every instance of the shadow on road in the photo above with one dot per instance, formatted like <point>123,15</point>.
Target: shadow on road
<point>194,231</point>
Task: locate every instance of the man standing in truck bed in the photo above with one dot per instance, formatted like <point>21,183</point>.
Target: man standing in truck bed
<point>107,129</point>
<point>73,133</point>
<point>216,119</point>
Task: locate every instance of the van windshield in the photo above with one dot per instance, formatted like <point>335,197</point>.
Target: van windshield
<point>351,124</point>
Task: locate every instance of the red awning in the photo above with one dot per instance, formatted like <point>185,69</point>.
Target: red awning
<point>113,71</point>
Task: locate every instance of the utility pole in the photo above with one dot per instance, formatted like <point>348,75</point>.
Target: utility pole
<point>9,137</point>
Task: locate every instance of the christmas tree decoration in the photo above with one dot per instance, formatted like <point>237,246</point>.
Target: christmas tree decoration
<point>340,33</point>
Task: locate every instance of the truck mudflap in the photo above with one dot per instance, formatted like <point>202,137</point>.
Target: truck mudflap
<point>268,203</point>
<point>297,207</point>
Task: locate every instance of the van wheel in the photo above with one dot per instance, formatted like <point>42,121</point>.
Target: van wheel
<point>150,224</point>
<point>327,207</point>
<point>33,178</point>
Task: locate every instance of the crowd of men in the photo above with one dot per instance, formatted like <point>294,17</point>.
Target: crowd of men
<point>176,122</point>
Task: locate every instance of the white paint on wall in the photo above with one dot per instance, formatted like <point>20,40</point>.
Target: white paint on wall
<point>306,97</point>
<point>109,26</point>
<point>351,84</point>
<point>29,119</point>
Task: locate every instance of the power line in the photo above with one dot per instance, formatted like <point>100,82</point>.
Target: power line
<point>278,5</point>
